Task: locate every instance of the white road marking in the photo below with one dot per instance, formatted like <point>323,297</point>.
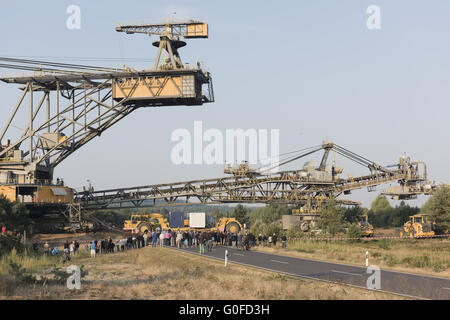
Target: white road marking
<point>349,273</point>
<point>280,261</point>
<point>446,288</point>
<point>238,254</point>
<point>298,275</point>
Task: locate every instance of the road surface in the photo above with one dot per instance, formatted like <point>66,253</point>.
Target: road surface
<point>412,285</point>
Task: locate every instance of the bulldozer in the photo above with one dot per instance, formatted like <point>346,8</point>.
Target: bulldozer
<point>367,229</point>
<point>139,223</point>
<point>230,225</point>
<point>416,227</point>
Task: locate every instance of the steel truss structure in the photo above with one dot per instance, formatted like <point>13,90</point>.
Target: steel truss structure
<point>293,187</point>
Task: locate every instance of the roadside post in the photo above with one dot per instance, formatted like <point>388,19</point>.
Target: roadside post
<point>367,258</point>
<point>226,257</point>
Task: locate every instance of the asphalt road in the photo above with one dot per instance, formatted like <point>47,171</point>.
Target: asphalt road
<point>413,285</point>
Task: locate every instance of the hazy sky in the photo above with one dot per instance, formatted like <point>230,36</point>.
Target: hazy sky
<point>309,68</point>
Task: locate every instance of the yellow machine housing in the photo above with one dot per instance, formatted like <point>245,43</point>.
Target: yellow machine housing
<point>417,226</point>
<point>38,194</point>
<point>160,87</point>
<point>198,30</point>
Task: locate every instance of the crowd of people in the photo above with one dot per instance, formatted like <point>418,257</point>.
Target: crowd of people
<point>203,240</point>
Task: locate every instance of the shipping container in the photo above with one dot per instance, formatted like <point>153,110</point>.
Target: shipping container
<point>176,219</point>
<point>197,220</point>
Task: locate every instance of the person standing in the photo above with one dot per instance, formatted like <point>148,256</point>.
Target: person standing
<point>185,239</point>
<point>93,249</point>
<point>77,246</point>
<point>154,239</point>
<point>202,241</point>
<point>209,242</point>
<point>161,239</point>
<point>179,239</point>
<point>239,240</point>
<point>168,233</point>
<point>46,248</point>
<point>72,248</point>
<point>274,239</point>
<point>145,236</point>
<point>283,241</point>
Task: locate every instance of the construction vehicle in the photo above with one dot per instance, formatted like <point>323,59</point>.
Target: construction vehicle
<point>304,218</point>
<point>367,229</point>
<point>417,226</point>
<point>69,105</point>
<point>139,223</point>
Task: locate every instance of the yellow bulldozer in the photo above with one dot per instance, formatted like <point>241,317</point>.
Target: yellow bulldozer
<point>138,223</point>
<point>416,227</point>
<point>367,229</point>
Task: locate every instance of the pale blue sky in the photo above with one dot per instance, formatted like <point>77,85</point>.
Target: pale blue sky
<point>310,68</point>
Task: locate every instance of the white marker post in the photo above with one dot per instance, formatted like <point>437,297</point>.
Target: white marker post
<point>226,257</point>
<point>367,258</point>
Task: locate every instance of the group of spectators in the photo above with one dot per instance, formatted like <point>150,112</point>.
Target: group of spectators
<point>69,249</point>
<point>181,239</point>
<point>271,240</point>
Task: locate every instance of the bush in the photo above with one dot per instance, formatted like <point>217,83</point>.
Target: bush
<point>332,218</point>
<point>354,231</point>
<point>384,244</point>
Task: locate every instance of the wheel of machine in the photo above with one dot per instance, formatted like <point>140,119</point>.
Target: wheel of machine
<point>142,227</point>
<point>304,226</point>
<point>232,227</point>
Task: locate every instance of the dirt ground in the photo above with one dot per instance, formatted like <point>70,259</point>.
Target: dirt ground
<point>161,273</point>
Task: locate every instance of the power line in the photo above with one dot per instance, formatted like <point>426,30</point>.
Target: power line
<point>85,58</point>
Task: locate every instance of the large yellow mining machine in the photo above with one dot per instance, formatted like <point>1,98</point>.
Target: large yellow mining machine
<point>69,105</point>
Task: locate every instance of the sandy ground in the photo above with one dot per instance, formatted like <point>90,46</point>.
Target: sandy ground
<point>159,273</point>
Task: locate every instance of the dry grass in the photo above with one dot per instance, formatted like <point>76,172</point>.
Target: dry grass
<point>157,273</point>
<point>424,256</point>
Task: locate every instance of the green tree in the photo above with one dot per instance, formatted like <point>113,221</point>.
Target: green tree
<point>216,213</point>
<point>332,218</point>
<point>13,214</point>
<point>438,207</point>
<point>240,214</point>
<point>353,214</point>
<point>401,213</point>
<point>380,205</point>
<point>380,213</point>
